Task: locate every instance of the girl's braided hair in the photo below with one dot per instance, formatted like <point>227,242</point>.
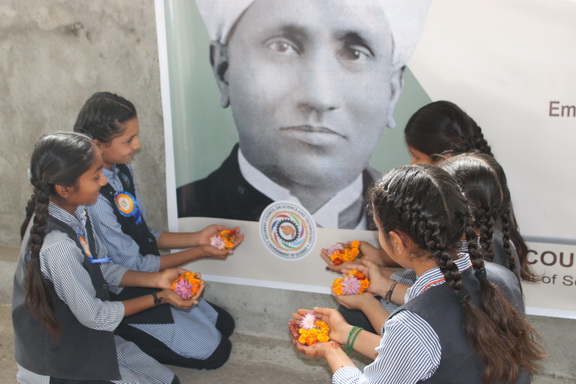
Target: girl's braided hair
<point>425,204</point>
<point>58,159</point>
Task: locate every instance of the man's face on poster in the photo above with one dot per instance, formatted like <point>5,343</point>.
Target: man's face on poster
<point>311,87</point>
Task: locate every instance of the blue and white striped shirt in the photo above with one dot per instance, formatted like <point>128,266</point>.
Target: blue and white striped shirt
<point>193,333</point>
<point>410,349</point>
<point>121,247</point>
<point>61,263</point>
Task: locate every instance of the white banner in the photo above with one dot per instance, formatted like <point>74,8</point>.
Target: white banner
<point>508,63</point>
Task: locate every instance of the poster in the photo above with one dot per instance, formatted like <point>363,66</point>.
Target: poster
<point>506,63</point>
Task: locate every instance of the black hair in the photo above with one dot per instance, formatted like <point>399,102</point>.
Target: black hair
<point>442,127</point>
<point>483,181</point>
<point>102,116</point>
<point>58,158</point>
<point>425,204</point>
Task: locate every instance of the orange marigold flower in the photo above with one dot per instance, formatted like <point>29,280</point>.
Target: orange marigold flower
<point>354,283</point>
<point>342,254</point>
<point>186,285</point>
<point>314,335</point>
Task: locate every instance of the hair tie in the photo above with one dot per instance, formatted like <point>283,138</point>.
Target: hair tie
<point>480,274</point>
<point>463,296</point>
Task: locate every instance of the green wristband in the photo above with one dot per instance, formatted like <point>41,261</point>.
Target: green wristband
<point>352,338</point>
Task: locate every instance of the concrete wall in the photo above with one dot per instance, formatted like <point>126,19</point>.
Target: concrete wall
<point>53,55</point>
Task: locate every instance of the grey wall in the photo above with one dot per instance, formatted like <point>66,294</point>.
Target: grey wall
<point>53,55</point>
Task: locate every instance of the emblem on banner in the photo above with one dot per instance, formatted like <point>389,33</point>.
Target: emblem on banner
<point>288,230</point>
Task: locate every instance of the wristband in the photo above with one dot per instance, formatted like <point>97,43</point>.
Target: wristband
<point>352,338</point>
<point>388,296</point>
<point>157,300</point>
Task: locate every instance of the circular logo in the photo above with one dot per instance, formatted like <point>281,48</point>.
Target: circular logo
<point>288,230</point>
<point>125,203</point>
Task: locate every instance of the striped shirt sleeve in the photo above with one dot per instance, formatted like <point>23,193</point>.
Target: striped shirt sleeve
<point>61,262</point>
<point>408,353</point>
<point>121,247</point>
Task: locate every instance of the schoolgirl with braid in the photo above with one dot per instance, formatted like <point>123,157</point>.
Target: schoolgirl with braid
<point>440,130</point>
<point>62,318</point>
<point>198,338</point>
<point>483,182</point>
<point>457,326</point>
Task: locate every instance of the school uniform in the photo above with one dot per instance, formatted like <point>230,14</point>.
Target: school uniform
<point>425,339</point>
<point>197,338</point>
<point>89,351</point>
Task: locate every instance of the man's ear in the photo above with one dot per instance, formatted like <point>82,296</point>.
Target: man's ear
<point>63,191</point>
<point>219,62</point>
<point>396,86</point>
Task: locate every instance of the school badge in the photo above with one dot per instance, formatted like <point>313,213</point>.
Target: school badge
<point>288,230</point>
<point>127,205</point>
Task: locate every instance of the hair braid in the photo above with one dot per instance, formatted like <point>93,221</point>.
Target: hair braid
<point>58,158</point>
<point>425,204</point>
<point>485,224</point>
<point>38,299</point>
<point>480,142</point>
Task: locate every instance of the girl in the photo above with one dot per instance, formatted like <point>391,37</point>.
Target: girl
<point>483,182</point>
<point>197,338</point>
<point>457,327</point>
<point>63,321</point>
<point>442,127</point>
<point>440,130</point>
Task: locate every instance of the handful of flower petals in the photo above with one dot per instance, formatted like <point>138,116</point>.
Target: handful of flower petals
<point>342,254</point>
<point>354,283</point>
<point>313,331</point>
<point>187,285</point>
<point>224,240</point>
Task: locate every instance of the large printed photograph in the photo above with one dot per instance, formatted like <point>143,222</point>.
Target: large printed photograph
<point>305,102</point>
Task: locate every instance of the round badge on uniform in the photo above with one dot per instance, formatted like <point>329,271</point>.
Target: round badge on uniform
<point>288,230</point>
<point>127,205</point>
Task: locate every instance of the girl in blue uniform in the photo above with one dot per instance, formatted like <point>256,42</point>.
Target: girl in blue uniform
<point>457,325</point>
<point>198,338</point>
<point>62,318</point>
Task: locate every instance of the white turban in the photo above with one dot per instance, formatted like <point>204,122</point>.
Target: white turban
<point>405,17</point>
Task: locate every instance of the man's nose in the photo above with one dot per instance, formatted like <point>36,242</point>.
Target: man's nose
<point>319,86</point>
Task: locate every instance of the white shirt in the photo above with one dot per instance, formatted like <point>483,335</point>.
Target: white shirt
<point>326,216</point>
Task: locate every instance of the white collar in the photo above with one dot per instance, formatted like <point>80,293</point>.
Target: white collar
<point>326,216</point>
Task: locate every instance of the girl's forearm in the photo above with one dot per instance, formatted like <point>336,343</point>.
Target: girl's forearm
<point>337,359</point>
<point>177,259</point>
<point>178,240</point>
<point>139,279</point>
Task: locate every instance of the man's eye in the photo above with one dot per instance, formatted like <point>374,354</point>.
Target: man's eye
<point>283,46</point>
<point>355,53</point>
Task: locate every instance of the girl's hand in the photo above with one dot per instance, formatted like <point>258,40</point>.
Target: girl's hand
<point>372,253</point>
<point>165,278</point>
<point>170,297</point>
<point>330,264</point>
<point>317,350</point>
<point>379,284</point>
<point>214,229</point>
<point>360,302</point>
<point>339,328</point>
<point>214,253</point>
